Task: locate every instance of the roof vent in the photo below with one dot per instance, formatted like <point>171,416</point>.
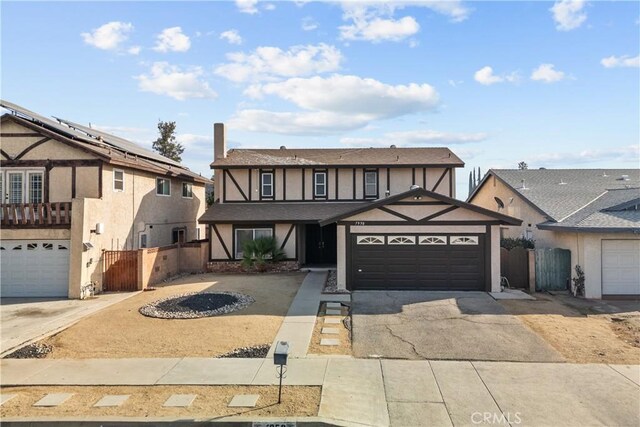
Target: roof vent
<point>414,187</point>
<point>623,178</point>
<point>282,147</point>
<point>524,185</point>
<point>562,182</point>
<point>393,146</point>
<point>397,158</point>
<point>604,174</point>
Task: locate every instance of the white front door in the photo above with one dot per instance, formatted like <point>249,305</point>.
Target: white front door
<point>621,267</point>
<point>34,268</point>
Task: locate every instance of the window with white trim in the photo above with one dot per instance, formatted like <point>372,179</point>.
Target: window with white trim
<point>320,184</point>
<point>187,190</point>
<point>266,184</point>
<point>370,184</point>
<point>464,240</point>
<point>163,187</point>
<point>118,180</point>
<point>370,240</point>
<point>15,183</point>
<point>35,187</point>
<point>243,235</point>
<point>432,240</point>
<point>402,240</point>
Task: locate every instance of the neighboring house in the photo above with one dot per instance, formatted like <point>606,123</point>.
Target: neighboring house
<point>592,212</point>
<point>387,217</point>
<point>69,192</point>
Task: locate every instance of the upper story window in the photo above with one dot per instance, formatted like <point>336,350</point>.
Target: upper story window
<point>320,184</point>
<point>21,186</point>
<point>371,184</point>
<point>187,190</point>
<point>35,186</point>
<point>163,187</point>
<point>266,184</point>
<point>118,180</point>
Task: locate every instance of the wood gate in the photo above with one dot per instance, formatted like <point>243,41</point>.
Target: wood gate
<point>553,269</point>
<point>514,265</point>
<point>120,271</point>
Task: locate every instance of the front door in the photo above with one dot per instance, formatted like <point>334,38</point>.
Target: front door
<point>321,244</point>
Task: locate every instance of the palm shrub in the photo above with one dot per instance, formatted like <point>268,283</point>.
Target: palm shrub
<point>578,282</point>
<point>257,253</point>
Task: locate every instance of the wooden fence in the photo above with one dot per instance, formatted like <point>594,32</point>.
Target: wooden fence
<point>514,265</point>
<point>36,214</point>
<point>553,269</point>
<point>120,271</point>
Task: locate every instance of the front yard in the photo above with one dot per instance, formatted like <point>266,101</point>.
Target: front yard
<point>120,331</point>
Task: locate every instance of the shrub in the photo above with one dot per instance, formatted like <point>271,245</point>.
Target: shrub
<point>257,253</point>
<point>517,242</point>
<point>578,282</point>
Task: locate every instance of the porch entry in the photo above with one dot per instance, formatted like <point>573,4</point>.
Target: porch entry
<point>321,244</point>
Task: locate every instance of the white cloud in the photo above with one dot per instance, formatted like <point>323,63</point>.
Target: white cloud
<point>379,29</point>
<point>309,24</point>
<point>547,73</point>
<point>630,153</point>
<point>486,77</point>
<point>231,36</point>
<point>110,36</point>
<point>170,80</point>
<point>134,50</point>
<point>416,138</point>
<point>568,14</point>
<point>267,63</point>
<point>172,40</point>
<point>247,6</point>
<point>621,61</point>
<point>352,95</point>
<point>269,6</point>
<point>334,104</point>
<point>191,140</point>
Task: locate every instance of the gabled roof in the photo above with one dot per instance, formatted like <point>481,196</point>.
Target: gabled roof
<point>613,211</point>
<point>344,157</point>
<point>559,193</point>
<point>417,192</point>
<point>109,147</point>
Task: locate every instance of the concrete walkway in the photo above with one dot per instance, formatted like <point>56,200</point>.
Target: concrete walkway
<point>24,320</point>
<point>382,392</point>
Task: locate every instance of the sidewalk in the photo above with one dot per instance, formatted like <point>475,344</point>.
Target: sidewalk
<point>382,392</point>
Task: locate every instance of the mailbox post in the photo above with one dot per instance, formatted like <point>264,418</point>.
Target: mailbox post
<point>280,360</point>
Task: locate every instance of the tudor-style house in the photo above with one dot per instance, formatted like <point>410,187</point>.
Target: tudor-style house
<point>69,192</point>
<point>386,217</point>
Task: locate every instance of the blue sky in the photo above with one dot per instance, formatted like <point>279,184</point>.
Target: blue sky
<point>554,84</point>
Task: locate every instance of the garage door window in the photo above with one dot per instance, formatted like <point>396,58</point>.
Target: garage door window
<point>402,240</point>
<point>48,246</point>
<point>370,240</point>
<point>32,246</point>
<point>464,240</point>
<point>433,240</point>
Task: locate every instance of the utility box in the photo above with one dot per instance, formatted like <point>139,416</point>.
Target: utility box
<point>281,352</point>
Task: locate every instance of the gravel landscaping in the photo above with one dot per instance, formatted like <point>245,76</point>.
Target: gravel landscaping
<point>331,286</point>
<point>257,351</point>
<point>31,351</point>
<point>194,305</point>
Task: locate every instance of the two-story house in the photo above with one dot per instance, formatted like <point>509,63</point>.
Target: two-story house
<point>69,192</point>
<point>387,218</point>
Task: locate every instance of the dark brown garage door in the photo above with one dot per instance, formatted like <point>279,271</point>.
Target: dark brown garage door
<point>418,261</point>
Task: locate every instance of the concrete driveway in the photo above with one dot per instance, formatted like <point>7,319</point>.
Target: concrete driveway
<point>23,320</point>
<point>442,325</point>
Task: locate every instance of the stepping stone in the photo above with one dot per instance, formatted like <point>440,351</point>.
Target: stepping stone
<point>4,398</point>
<point>179,401</point>
<point>244,401</point>
<point>331,311</point>
<point>53,399</point>
<point>332,321</point>
<point>111,400</point>
<point>329,341</point>
<point>334,305</point>
<point>330,331</point>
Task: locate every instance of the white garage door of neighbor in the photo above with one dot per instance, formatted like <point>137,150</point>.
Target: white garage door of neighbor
<point>621,267</point>
<point>34,268</point>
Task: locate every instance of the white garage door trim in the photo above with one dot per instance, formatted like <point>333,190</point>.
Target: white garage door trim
<point>34,268</point>
<point>621,267</point>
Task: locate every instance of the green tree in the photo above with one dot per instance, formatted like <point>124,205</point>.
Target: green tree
<point>523,166</point>
<point>166,144</point>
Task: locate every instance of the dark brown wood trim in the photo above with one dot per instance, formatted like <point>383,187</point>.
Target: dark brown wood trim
<point>337,172</point>
<point>487,258</point>
<point>418,202</point>
<point>73,182</point>
<point>224,185</point>
<point>224,246</point>
<point>450,182</point>
<point>354,183</point>
<point>413,176</point>
<point>100,181</point>
<point>396,214</point>
<point>244,196</point>
<point>284,184</point>
<point>18,134</point>
<point>46,183</point>
<point>250,186</point>
<point>304,186</point>
<point>389,180</point>
<point>53,163</point>
<point>424,178</point>
<point>31,147</point>
<point>444,173</point>
<point>286,239</point>
<point>437,214</point>
<point>347,255</point>
<point>4,153</point>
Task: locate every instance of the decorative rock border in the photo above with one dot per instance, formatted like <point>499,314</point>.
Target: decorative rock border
<point>194,305</point>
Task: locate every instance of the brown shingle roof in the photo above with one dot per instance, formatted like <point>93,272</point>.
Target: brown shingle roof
<point>276,211</point>
<point>346,157</point>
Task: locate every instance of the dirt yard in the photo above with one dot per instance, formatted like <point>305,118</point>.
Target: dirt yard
<point>344,335</point>
<point>578,333</point>
<point>211,401</point>
<point>120,331</point>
